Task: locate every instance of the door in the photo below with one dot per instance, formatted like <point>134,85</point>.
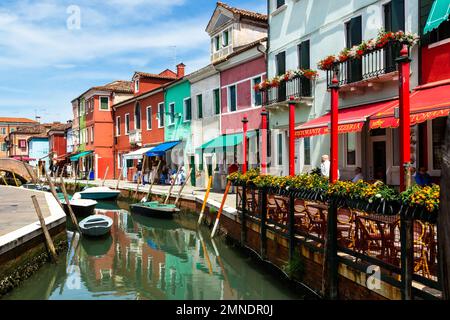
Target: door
<point>394,20</point>
<point>377,160</point>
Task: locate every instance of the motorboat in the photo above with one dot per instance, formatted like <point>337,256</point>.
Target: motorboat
<point>97,193</point>
<point>96,225</point>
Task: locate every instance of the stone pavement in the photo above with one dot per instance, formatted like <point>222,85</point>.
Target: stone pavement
<point>17,209</point>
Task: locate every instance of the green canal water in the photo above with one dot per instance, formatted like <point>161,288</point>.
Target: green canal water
<point>144,258</point>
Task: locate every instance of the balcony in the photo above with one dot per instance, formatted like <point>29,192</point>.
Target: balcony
<point>135,137</point>
<point>370,70</point>
<point>299,88</point>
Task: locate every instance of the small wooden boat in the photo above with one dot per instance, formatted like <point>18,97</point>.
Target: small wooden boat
<point>81,207</point>
<point>155,209</point>
<point>96,225</point>
<point>98,193</point>
<point>46,188</point>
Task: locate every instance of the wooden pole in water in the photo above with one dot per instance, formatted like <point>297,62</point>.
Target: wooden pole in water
<point>66,198</point>
<point>120,178</point>
<point>15,180</point>
<point>216,224</point>
<point>205,253</point>
<point>182,187</point>
<point>153,181</point>
<point>205,201</point>
<point>29,172</point>
<point>140,177</point>
<point>48,238</point>
<point>171,186</point>
<point>104,176</point>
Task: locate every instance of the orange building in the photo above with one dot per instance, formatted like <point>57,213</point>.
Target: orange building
<point>94,154</point>
<point>8,125</point>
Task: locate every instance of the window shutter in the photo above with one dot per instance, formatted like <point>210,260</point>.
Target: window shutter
<point>398,15</point>
<point>281,63</point>
<point>304,55</point>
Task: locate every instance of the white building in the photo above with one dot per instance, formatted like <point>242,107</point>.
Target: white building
<point>303,32</point>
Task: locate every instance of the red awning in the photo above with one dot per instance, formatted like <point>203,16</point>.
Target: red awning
<point>350,120</point>
<point>427,102</point>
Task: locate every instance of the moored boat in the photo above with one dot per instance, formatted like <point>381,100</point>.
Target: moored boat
<point>81,207</point>
<point>96,225</point>
<point>155,209</point>
<point>98,193</point>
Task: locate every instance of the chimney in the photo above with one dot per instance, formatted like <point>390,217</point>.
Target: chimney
<point>180,70</point>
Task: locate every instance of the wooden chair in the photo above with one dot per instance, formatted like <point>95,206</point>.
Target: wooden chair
<point>282,209</point>
<point>345,227</point>
<point>300,214</point>
<point>317,220</point>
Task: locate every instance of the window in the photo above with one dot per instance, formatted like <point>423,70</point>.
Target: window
<point>149,118</point>
<point>82,110</point>
<point>119,161</point>
<point>200,106</point>
<point>92,134</point>
<point>22,143</point>
<point>354,37</point>
<point>351,148</point>
<point>12,129</point>
<point>281,69</point>
<point>172,113</point>
<point>436,35</point>
<point>438,138</point>
<point>3,130</point>
<point>232,98</point>
<point>104,103</point>
<point>137,116</point>
<point>187,109</point>
<point>118,126</point>
<point>280,149</point>
<point>217,101</point>
<point>217,43</point>
<point>161,115</point>
<point>225,38</point>
<point>394,15</point>
<point>307,150</point>
<point>136,86</point>
<point>280,3</point>
<point>304,63</point>
<point>127,123</point>
<point>256,94</point>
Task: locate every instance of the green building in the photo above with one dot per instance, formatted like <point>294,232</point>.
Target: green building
<point>178,108</point>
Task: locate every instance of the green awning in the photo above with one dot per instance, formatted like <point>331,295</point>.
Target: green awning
<point>439,13</point>
<point>226,140</point>
<point>80,155</point>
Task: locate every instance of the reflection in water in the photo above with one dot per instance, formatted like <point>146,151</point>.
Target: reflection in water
<point>146,258</point>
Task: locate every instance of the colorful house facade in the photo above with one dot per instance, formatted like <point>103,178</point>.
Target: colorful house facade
<point>8,125</point>
<point>139,121</point>
<point>39,149</point>
<point>95,154</point>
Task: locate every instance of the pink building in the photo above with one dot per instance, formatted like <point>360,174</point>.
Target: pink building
<point>239,73</point>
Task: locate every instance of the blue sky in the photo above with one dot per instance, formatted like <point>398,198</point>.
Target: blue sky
<point>46,60</point>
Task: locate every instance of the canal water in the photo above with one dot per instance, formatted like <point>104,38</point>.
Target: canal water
<point>146,258</point>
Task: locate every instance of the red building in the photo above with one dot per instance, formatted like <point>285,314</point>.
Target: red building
<point>96,128</point>
<point>57,142</point>
<point>139,121</point>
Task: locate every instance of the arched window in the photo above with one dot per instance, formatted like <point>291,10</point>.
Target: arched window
<point>137,116</point>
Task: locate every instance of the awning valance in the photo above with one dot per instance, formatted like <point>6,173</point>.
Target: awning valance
<point>226,140</point>
<point>350,120</point>
<point>80,155</point>
<point>439,13</point>
<point>427,102</point>
<point>137,154</point>
<point>161,149</point>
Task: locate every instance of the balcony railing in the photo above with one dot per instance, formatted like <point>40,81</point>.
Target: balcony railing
<point>297,88</point>
<point>135,137</point>
<point>369,66</point>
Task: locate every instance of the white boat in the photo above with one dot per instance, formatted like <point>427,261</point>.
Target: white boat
<point>96,225</point>
<point>97,193</point>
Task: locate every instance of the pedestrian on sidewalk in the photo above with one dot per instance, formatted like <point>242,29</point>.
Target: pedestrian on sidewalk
<point>234,167</point>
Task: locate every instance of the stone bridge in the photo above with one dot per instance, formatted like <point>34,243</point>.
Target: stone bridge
<point>19,168</point>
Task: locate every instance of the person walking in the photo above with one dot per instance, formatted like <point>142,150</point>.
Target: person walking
<point>325,166</point>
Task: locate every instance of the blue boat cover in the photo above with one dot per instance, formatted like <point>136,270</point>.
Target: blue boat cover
<point>160,150</point>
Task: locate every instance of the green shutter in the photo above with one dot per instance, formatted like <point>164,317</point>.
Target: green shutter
<point>217,100</point>
<point>200,106</point>
<point>398,15</point>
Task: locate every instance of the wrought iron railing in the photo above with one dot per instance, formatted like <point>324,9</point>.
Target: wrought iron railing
<point>369,66</point>
<point>297,88</point>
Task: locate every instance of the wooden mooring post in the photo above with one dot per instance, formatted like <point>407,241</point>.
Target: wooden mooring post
<point>407,256</point>
<point>48,238</point>
<point>263,226</point>
<point>71,213</point>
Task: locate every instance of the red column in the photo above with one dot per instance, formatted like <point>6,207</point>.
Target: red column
<point>244,143</point>
<point>291,136</point>
<point>405,120</point>
<point>264,141</point>
<point>334,158</point>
